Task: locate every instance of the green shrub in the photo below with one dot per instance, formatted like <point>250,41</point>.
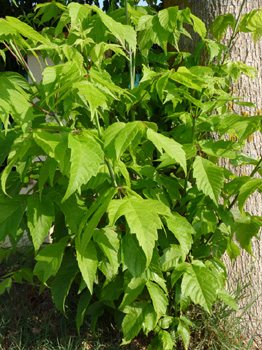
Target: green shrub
<point>124,168</point>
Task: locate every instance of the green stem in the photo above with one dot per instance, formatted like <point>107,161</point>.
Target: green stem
<point>24,64</point>
<point>132,63</point>
<point>191,160</point>
<point>112,175</point>
<point>235,30</point>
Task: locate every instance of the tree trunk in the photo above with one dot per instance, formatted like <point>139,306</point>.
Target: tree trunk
<point>245,268</point>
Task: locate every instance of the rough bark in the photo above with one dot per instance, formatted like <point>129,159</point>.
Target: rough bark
<point>245,269</point>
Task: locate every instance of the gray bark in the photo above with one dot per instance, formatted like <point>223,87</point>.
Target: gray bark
<point>245,269</point>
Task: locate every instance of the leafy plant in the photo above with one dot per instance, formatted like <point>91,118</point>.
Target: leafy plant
<point>124,170</point>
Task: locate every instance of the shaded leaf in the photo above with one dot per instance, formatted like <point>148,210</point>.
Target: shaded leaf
<point>170,146</point>
<point>11,213</point>
<point>40,216</point>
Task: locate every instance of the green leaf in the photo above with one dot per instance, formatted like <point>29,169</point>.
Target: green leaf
<point>82,305</point>
<point>47,170</point>
<point>170,146</point>
<point>233,250</point>
<point>185,77</point>
<point>162,341</point>
<point>168,18</point>
<point>5,285</point>
<point>26,30</point>
<point>108,241</point>
<point>11,213</point>
<point>49,260</point>
<point>133,255</point>
<point>219,148</point>
<point>219,27</point>
<point>171,257</point>
<point>55,145</point>
<point>18,150</point>
<point>182,230</point>
<point>86,254</point>
<point>200,284</point>
<point>228,299</point>
<point>199,26</point>
<point>142,216</point>
<point>78,13</point>
<point>178,272</point>
<point>150,319</point>
<point>133,321</point>
<point>61,284</point>
<point>158,297</point>
<point>95,97</point>
<point>7,139</point>
<point>121,32</point>
<point>87,262</point>
<point>166,322</point>
<point>254,26</point>
<point>86,157</point>
<point>246,228</point>
<point>74,209</point>
<point>132,291</point>
<point>40,216</point>
<point>184,331</point>
<point>130,134</point>
<point>209,178</point>
<point>246,190</point>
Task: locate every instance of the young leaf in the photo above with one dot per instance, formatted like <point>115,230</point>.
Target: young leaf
<point>170,146</point>
<point>11,213</point>
<point>86,157</point>
<point>200,284</point>
<point>209,177</point>
<point>40,216</point>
